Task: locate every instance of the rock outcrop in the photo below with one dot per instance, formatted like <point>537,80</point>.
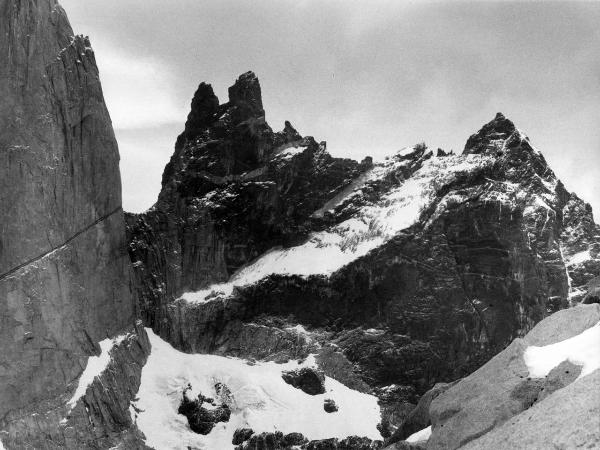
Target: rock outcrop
<point>502,405</point>
<point>64,269</point>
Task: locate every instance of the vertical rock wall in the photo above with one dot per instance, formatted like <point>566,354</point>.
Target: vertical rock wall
<point>64,270</point>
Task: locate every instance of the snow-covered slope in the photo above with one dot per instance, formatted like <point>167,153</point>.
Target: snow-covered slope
<point>259,400</point>
<point>371,226</point>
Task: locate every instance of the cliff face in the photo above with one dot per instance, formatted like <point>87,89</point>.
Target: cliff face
<point>64,270</point>
<point>232,190</point>
<point>411,271</point>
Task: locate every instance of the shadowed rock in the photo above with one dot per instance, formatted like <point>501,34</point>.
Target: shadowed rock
<point>502,392</point>
<point>307,379</point>
<point>491,137</point>
<point>64,270</point>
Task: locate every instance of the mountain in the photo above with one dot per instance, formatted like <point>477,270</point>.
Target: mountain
<point>393,275</point>
<point>275,296</point>
<point>65,277</point>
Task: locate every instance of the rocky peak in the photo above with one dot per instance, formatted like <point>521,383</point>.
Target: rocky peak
<point>246,96</point>
<point>491,137</point>
<point>205,106</point>
<point>290,134</point>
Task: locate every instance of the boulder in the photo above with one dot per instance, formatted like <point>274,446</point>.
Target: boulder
<point>330,406</point>
<point>241,435</point>
<point>419,418</point>
<point>307,379</point>
<point>202,419</point>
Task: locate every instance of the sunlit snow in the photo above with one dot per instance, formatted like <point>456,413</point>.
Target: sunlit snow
<point>420,436</point>
<point>579,258</point>
<point>582,350</point>
<point>94,368</point>
<point>327,251</point>
<point>261,400</point>
<point>291,151</point>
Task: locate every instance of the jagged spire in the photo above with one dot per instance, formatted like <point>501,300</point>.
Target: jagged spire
<point>491,137</point>
<point>205,105</point>
<point>246,95</point>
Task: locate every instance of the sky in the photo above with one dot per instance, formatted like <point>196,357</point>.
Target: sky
<point>369,77</point>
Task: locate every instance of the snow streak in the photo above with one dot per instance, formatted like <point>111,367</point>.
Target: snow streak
<point>327,251</point>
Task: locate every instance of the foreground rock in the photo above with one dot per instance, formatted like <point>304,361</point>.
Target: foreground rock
<point>502,406</point>
<point>568,419</point>
<point>64,270</point>
<point>99,419</point>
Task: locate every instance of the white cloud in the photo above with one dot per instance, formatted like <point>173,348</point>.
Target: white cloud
<point>138,90</point>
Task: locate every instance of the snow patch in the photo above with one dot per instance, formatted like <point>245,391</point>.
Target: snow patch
<point>94,368</point>
<point>290,152</point>
<point>579,258</point>
<point>420,436</point>
<point>299,329</point>
<point>406,151</point>
<point>582,350</point>
<point>569,279</point>
<point>261,400</point>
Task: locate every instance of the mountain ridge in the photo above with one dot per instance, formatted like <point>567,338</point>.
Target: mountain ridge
<point>275,296</point>
<point>520,165</point>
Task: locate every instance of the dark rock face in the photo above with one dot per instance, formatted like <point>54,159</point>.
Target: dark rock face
<point>279,441</point>
<point>307,379</point>
<point>330,406</point>
<point>202,419</point>
<point>241,435</point>
<point>232,190</point>
<point>349,443</point>
<point>273,441</point>
<point>491,138</point>
<point>64,269</point>
<point>418,419</point>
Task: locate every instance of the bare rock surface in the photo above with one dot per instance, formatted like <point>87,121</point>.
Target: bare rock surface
<point>569,419</point>
<point>64,270</point>
<point>502,392</point>
<point>419,418</point>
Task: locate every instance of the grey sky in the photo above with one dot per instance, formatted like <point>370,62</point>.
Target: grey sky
<point>368,77</point>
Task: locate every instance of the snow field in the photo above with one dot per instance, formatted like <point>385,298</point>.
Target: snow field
<point>261,400</point>
<point>420,436</point>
